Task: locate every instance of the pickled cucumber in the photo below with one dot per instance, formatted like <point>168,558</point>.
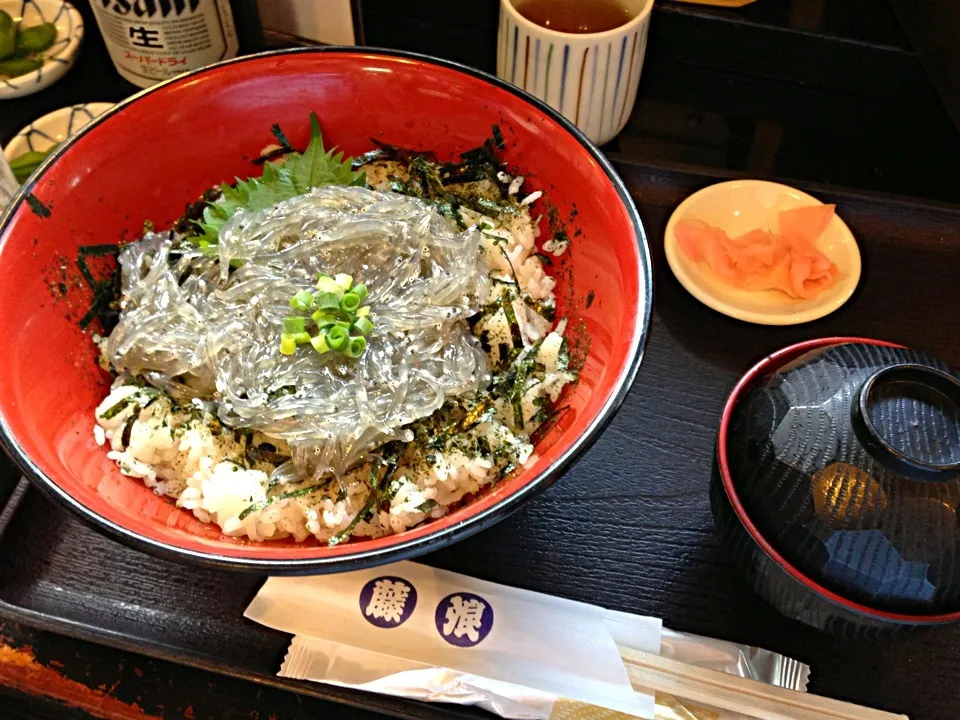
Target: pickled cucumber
<point>8,35</point>
<point>24,165</point>
<point>36,39</point>
<point>12,67</point>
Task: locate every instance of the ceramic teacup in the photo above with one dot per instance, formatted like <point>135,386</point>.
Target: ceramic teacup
<point>591,78</point>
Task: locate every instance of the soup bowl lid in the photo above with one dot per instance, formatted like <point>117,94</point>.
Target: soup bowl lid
<point>847,459</point>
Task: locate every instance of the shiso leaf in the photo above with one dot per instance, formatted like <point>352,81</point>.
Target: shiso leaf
<point>315,167</point>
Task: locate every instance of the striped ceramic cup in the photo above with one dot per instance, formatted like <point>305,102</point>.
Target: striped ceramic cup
<point>591,78</point>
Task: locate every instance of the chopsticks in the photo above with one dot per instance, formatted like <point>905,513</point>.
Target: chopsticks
<point>736,694</point>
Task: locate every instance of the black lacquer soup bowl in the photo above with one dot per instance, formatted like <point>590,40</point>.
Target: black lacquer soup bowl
<point>837,483</point>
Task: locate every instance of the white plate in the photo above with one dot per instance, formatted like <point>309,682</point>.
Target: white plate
<point>737,207</point>
<point>45,132</point>
<point>59,57</point>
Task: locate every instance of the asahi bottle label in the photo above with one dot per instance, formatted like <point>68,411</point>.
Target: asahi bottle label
<point>152,40</point>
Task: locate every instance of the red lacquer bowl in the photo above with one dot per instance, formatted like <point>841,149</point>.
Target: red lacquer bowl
<point>152,154</point>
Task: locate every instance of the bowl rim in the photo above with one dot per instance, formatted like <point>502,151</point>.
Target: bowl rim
<point>429,541</point>
<point>767,364</point>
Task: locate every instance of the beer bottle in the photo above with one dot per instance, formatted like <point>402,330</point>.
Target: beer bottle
<point>152,40</point>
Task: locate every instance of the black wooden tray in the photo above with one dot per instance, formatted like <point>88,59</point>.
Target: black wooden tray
<point>628,527</point>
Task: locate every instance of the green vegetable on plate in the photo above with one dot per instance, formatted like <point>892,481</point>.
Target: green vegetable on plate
<point>19,46</point>
<point>8,35</point>
<point>24,165</point>
<point>14,67</point>
<point>36,38</point>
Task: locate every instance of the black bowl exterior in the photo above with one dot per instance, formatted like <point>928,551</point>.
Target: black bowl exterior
<point>778,588</point>
<point>837,510</point>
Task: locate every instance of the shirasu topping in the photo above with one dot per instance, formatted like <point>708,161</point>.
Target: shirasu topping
<point>203,325</point>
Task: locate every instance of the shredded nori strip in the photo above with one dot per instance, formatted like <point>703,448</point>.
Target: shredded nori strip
<point>481,163</point>
<point>483,447</point>
<point>37,207</point>
<point>506,303</point>
<point>388,152</point>
<point>486,205</point>
<point>547,312</point>
<point>285,147</point>
<point>115,410</point>
<point>563,355</point>
<point>106,293</point>
<point>285,496</point>
<point>547,425</point>
<point>498,138</point>
<point>280,136</point>
<point>377,495</point>
<point>193,212</point>
<point>429,179</point>
<point>519,384</point>
<point>127,431</point>
<point>258,453</point>
<point>504,471</point>
<point>272,155</point>
<point>373,156</point>
<point>387,491</point>
<point>373,480</point>
<point>427,174</point>
<point>364,511</point>
<point>138,406</point>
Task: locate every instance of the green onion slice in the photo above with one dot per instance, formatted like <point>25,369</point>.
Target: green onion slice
<point>328,285</point>
<point>363,326</point>
<point>343,282</point>
<point>350,302</point>
<point>341,322</point>
<point>337,337</point>
<point>326,301</point>
<point>356,347</point>
<point>322,319</point>
<point>303,300</point>
<point>288,344</point>
<point>294,325</point>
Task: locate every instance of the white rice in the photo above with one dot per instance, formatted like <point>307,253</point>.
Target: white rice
<point>185,454</point>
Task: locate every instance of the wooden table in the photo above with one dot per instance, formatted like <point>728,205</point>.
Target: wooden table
<point>660,536</point>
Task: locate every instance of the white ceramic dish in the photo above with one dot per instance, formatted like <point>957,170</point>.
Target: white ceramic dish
<point>59,57</point>
<point>45,132</point>
<point>739,206</point>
